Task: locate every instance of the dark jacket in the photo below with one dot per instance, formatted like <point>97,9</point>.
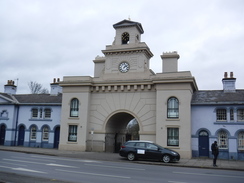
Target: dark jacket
<point>215,149</point>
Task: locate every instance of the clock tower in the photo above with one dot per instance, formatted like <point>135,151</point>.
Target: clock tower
<point>125,91</point>
<point>127,57</point>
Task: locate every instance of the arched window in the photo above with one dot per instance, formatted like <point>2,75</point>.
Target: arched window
<point>45,133</point>
<point>33,133</point>
<point>173,108</point>
<point>241,140</point>
<point>223,139</point>
<point>125,37</point>
<point>74,107</point>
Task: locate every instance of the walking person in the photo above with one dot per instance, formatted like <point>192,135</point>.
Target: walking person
<point>215,152</point>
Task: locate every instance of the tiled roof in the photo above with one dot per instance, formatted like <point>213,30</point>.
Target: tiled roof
<point>217,97</point>
<point>39,99</point>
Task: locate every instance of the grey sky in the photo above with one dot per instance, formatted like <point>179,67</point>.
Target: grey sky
<point>45,39</point>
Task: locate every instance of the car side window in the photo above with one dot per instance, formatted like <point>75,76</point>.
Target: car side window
<point>130,144</point>
<point>140,144</point>
<point>152,146</point>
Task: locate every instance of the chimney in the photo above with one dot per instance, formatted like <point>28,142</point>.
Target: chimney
<point>10,88</point>
<point>229,83</point>
<point>170,61</point>
<point>99,66</point>
<point>55,88</point>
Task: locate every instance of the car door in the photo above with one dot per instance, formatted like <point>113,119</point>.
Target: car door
<point>140,148</point>
<point>152,151</point>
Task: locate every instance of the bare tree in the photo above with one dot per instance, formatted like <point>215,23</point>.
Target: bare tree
<point>36,88</point>
<point>44,91</point>
<point>133,129</point>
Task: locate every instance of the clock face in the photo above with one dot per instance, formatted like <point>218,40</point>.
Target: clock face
<point>124,67</point>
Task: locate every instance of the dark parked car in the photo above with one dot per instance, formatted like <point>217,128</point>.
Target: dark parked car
<point>133,150</point>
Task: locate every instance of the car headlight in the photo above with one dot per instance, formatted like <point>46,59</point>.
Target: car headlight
<point>174,153</point>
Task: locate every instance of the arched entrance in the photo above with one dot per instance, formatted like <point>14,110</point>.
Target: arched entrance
<point>56,137</point>
<point>2,134</point>
<point>120,128</point>
<point>203,144</point>
<point>21,136</point>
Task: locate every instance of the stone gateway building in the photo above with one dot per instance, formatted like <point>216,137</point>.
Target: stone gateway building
<point>96,110</point>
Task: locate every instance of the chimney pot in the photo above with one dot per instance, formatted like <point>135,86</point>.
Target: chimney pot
<point>231,74</point>
<point>225,75</point>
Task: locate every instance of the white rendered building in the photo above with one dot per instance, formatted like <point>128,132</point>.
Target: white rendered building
<point>218,115</point>
<point>31,120</point>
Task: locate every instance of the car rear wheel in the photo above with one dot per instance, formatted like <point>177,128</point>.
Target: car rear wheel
<point>131,156</point>
<point>166,158</point>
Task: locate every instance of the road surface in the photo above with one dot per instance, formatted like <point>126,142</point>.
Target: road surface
<point>59,169</point>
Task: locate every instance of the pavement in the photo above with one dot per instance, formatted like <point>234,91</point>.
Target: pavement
<point>103,156</point>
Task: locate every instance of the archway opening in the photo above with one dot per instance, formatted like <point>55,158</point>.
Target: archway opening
<point>120,128</point>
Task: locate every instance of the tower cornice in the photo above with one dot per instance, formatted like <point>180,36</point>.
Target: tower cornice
<point>144,50</point>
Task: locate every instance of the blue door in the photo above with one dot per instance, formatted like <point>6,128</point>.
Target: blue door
<point>21,136</point>
<point>203,144</point>
<point>2,134</point>
<point>56,137</point>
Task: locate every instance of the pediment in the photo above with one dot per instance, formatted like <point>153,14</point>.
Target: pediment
<point>129,23</point>
<point>6,99</point>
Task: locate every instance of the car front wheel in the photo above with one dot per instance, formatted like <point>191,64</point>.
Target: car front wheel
<point>131,156</point>
<point>166,158</point>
